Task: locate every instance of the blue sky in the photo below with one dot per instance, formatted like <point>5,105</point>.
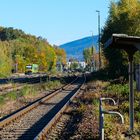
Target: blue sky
<point>59,21</point>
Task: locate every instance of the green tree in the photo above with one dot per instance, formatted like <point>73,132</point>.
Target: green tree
<point>22,49</point>
<point>61,55</point>
<point>124,17</point>
<point>90,57</point>
<point>74,65</point>
<point>5,61</point>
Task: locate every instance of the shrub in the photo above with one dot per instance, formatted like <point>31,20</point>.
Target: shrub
<point>95,102</point>
<point>26,91</point>
<point>1,100</point>
<point>118,90</point>
<point>12,95</point>
<point>137,116</point>
<point>51,85</point>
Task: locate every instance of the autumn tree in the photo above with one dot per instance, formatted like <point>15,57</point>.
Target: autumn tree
<point>124,18</point>
<point>5,61</point>
<point>61,55</point>
<point>20,49</point>
<point>90,57</point>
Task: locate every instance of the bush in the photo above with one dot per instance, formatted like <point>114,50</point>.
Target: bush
<point>5,61</point>
<point>12,95</point>
<point>96,102</point>
<point>124,107</point>
<point>137,116</point>
<point>118,89</point>
<point>51,85</point>
<point>26,91</point>
<point>1,100</point>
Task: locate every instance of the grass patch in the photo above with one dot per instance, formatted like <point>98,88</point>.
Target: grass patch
<point>28,91</point>
<point>95,102</point>
<point>2,101</point>
<point>51,85</point>
<point>120,93</point>
<point>11,95</point>
<point>118,90</point>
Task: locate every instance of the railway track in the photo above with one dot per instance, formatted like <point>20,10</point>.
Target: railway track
<point>7,89</point>
<point>34,121</point>
<point>4,89</point>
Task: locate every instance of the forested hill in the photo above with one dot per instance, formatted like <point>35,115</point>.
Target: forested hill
<point>18,48</point>
<point>75,48</point>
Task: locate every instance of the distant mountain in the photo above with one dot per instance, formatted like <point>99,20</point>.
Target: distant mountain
<point>75,48</point>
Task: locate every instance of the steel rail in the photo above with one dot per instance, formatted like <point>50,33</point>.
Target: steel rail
<point>46,129</point>
<point>29,125</point>
<point>5,91</point>
<point>6,120</point>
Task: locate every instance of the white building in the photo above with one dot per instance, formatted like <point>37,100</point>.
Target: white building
<point>81,64</point>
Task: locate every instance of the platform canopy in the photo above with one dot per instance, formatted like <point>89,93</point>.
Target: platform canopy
<point>130,44</point>
<point>125,42</point>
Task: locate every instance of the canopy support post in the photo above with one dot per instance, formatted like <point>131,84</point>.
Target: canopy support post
<point>131,92</point>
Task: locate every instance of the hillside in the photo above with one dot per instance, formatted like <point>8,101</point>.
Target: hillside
<point>19,49</point>
<point>75,48</point>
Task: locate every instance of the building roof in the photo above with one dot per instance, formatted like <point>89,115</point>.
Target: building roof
<point>123,41</point>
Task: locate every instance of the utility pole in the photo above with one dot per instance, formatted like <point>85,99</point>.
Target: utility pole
<point>92,51</point>
<point>99,45</point>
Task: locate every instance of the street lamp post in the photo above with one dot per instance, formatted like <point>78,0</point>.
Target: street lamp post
<point>92,51</point>
<point>99,38</point>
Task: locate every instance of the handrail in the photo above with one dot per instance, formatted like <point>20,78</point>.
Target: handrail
<point>115,112</point>
<point>104,99</point>
<point>101,116</point>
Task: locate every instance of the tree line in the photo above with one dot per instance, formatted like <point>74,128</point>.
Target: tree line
<point>91,58</point>
<point>20,49</point>
<point>123,18</point>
